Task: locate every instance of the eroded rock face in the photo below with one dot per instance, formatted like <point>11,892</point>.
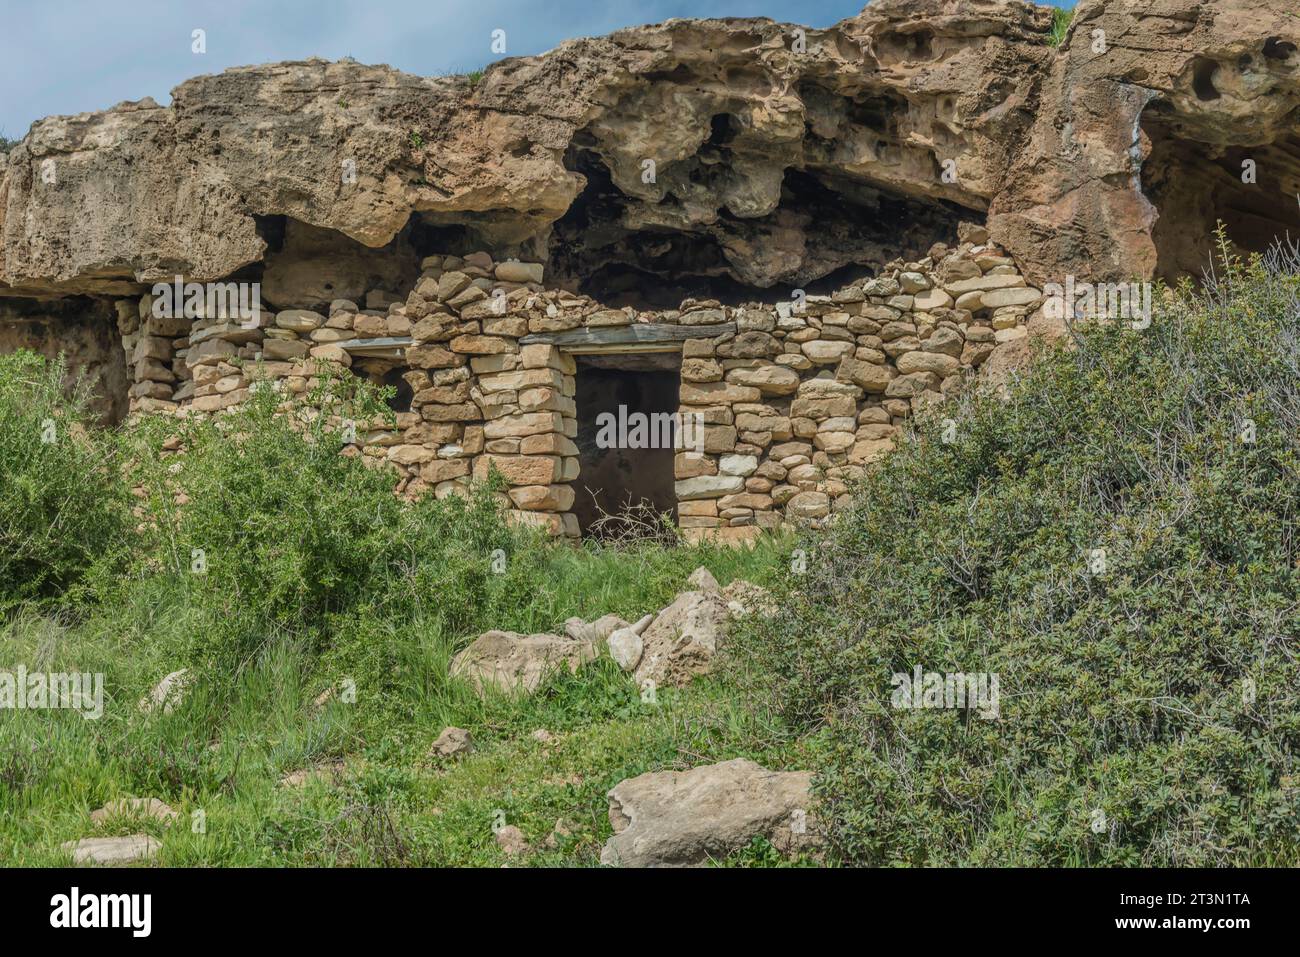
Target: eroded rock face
<point>776,158</point>
<point>687,818</point>
<point>1135,150</point>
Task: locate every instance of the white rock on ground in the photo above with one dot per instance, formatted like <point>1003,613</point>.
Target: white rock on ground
<point>687,818</point>
<point>626,645</point>
<point>134,807</point>
<point>113,850</point>
<point>513,662</point>
<point>167,693</point>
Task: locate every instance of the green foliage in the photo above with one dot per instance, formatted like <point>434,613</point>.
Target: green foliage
<point>1061,20</point>
<point>280,539</point>
<point>417,141</point>
<point>1149,714</point>
<point>315,576</point>
<point>63,509</point>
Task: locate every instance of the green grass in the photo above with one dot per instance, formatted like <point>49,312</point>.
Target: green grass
<point>316,577</point>
<point>225,750</point>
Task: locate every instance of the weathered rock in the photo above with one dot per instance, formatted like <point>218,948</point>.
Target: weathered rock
<point>1066,148</point>
<point>596,631</point>
<point>682,640</point>
<point>689,818</point>
<point>702,580</point>
<point>512,662</point>
<point>134,807</point>
<point>626,645</point>
<point>453,742</point>
<point>113,850</point>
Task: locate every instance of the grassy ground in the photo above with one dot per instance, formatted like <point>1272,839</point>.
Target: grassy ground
<point>376,798</point>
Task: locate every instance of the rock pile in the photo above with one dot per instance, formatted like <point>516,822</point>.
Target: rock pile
<point>666,649</point>
<point>126,849</point>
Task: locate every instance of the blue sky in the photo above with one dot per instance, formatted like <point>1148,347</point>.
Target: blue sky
<point>69,56</point>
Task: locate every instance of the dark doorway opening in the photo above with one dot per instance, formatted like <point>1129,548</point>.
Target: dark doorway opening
<point>627,408</point>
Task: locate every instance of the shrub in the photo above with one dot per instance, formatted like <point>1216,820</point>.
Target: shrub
<point>279,538</point>
<point>1119,541</point>
<point>63,508</point>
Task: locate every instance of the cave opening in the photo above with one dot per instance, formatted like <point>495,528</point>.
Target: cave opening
<point>627,251</point>
<point>83,332</point>
<point>626,409</point>
<point>1195,185</point>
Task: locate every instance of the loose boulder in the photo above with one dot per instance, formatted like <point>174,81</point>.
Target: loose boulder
<point>680,643</point>
<point>687,818</point>
<point>626,645</point>
<point>113,850</point>
<point>451,743</point>
<point>134,807</point>
<point>512,662</point>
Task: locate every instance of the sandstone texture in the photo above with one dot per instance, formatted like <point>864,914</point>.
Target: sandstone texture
<point>856,220</point>
<point>113,851</point>
<point>755,130</point>
<point>688,818</point>
<point>512,662</point>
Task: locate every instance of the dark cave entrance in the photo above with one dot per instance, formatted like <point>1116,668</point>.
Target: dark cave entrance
<point>627,408</point>
<point>825,232</point>
<point>84,330</point>
<point>1195,185</point>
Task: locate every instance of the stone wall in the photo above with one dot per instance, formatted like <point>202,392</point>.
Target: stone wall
<point>797,397</point>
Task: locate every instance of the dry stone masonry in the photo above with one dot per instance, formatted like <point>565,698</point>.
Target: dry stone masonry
<point>796,398</point>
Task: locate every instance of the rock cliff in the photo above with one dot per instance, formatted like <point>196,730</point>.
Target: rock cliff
<point>712,156</point>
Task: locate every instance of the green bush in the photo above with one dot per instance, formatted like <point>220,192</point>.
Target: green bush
<point>63,507</point>
<point>277,538</point>
<point>1119,541</point>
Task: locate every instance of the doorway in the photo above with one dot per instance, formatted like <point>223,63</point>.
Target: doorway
<point>627,421</point>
